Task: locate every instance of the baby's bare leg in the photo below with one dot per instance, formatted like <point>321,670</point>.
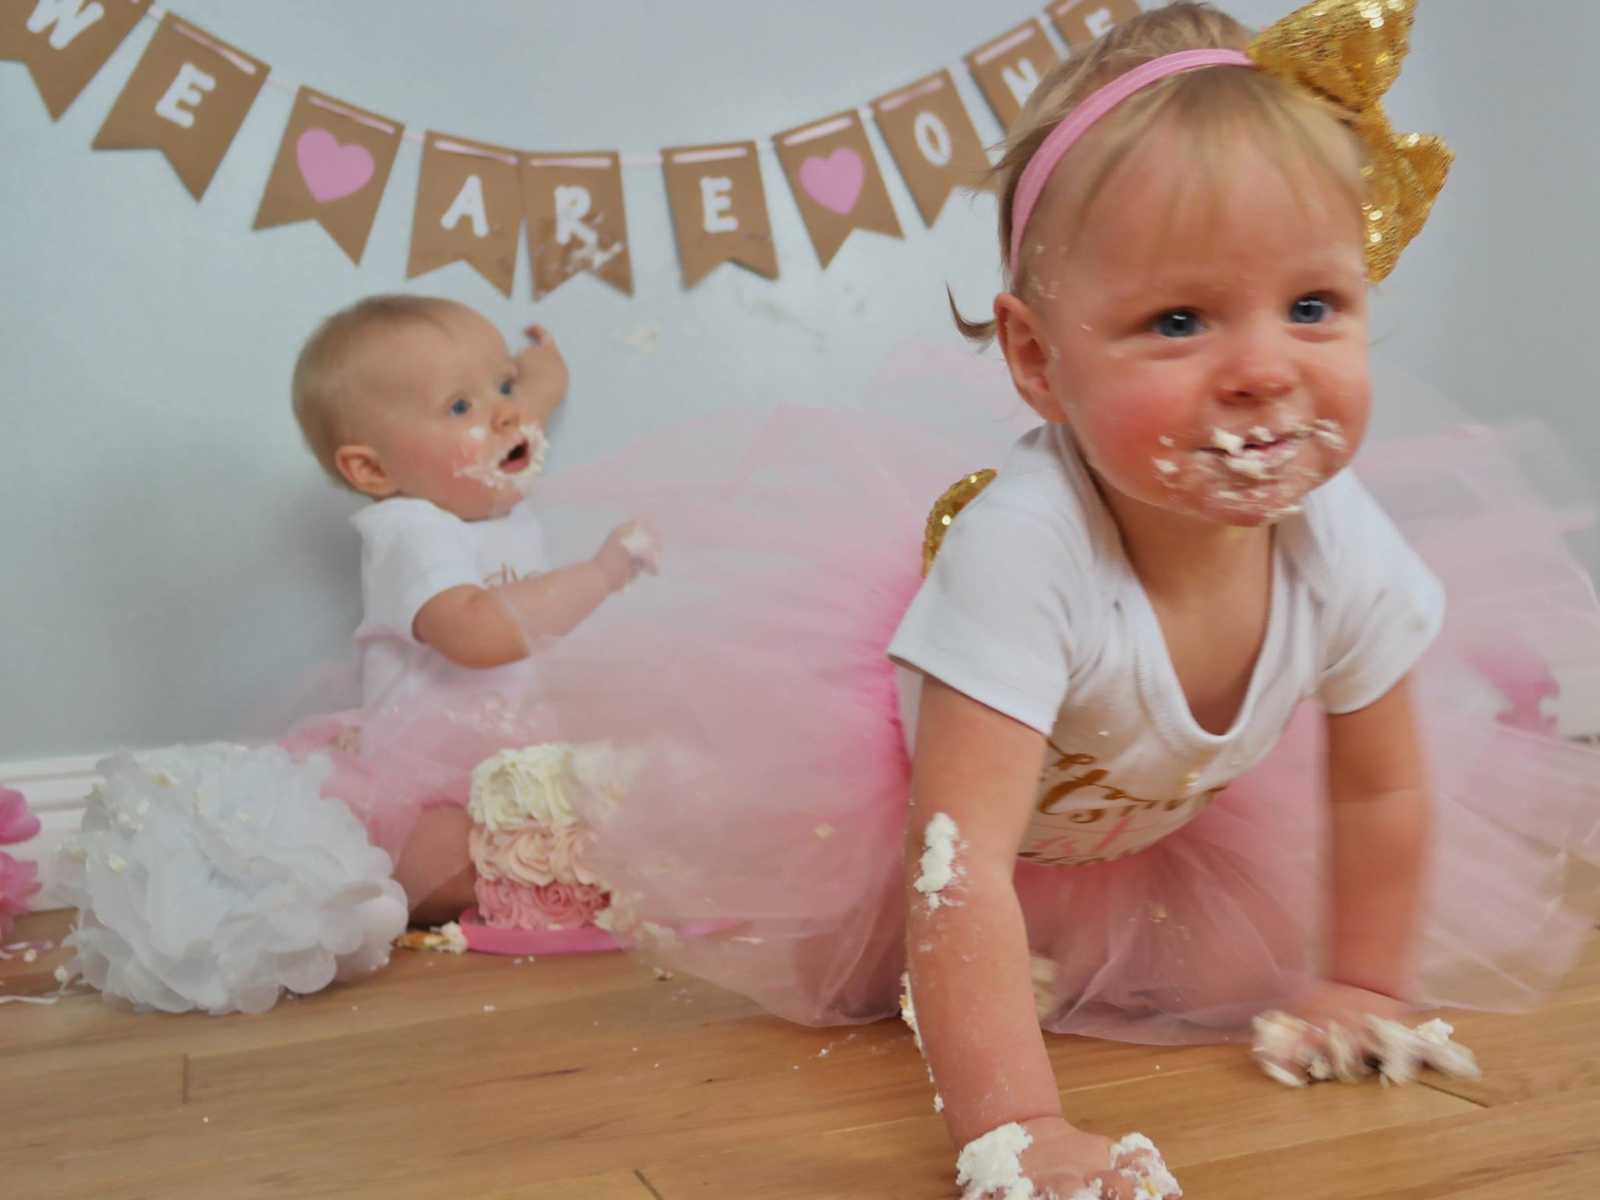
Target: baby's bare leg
<point>435,869</point>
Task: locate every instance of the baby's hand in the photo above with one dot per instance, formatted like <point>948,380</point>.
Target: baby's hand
<point>1064,1163</point>
<point>1346,1033</point>
<point>542,374</point>
<point>629,549</point>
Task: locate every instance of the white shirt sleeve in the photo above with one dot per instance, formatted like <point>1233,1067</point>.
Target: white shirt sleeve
<point>1384,605</point>
<point>411,551</point>
<point>993,618</point>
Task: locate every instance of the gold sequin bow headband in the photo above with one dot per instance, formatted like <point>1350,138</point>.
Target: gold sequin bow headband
<point>1349,52</point>
<point>1346,52</point>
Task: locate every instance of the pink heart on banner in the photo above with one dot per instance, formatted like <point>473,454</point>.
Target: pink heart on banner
<point>834,182</point>
<point>331,171</point>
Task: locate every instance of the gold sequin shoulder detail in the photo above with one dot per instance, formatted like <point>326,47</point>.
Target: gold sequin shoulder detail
<point>956,497</point>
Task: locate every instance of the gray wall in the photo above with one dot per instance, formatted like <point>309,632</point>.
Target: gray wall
<point>171,556</point>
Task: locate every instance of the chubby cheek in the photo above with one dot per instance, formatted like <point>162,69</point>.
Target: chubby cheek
<point>1126,436</point>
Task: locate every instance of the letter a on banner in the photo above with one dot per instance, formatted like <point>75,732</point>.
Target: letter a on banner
<point>576,221</point>
<point>64,42</point>
<point>187,98</point>
<point>1010,67</point>
<point>932,140</point>
<point>719,209</point>
<point>469,208</point>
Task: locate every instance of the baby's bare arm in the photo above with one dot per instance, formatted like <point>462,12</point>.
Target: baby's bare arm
<point>968,955</point>
<point>489,627</point>
<point>1378,786</point>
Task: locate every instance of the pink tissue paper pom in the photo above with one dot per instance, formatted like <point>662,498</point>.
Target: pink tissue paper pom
<point>17,824</point>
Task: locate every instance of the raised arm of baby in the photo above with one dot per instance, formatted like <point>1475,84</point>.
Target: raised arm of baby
<point>967,944</point>
<point>489,627</point>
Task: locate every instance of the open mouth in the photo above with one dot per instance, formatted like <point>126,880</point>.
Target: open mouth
<point>1258,454</point>
<point>516,459</point>
<point>1258,441</point>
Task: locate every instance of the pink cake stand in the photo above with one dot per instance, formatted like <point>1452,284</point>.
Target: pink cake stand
<point>487,939</point>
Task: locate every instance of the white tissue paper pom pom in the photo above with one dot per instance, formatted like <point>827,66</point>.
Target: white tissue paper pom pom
<point>214,877</point>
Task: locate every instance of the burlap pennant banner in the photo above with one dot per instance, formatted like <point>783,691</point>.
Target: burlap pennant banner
<point>1080,22</point>
<point>64,42</point>
<point>932,139</point>
<point>469,208</point>
<point>836,180</point>
<point>1010,67</point>
<point>332,166</point>
<point>576,219</point>
<point>187,98</point>
<point>719,209</point>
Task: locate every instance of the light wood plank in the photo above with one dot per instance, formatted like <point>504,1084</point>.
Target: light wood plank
<point>590,1079</point>
<point>1546,1147</point>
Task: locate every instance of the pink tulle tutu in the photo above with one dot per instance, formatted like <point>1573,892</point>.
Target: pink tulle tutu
<point>772,780</point>
<point>392,763</point>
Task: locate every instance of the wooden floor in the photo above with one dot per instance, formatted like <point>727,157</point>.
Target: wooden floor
<point>591,1079</point>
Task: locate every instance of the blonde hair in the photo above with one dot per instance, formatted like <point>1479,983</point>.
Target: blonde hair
<point>321,389</point>
<point>1209,111</point>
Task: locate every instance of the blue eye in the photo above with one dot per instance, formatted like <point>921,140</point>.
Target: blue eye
<point>508,386</point>
<point>1309,310</point>
<point>1177,323</point>
<point>461,408</point>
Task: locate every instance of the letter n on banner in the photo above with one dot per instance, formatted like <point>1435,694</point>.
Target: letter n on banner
<point>1010,67</point>
<point>576,221</point>
<point>719,209</point>
<point>932,140</point>
<point>332,166</point>
<point>836,181</point>
<point>64,42</point>
<point>187,98</point>
<point>1080,22</point>
<point>469,208</point>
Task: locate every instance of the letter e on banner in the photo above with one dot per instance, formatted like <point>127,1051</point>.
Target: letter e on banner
<point>1080,22</point>
<point>719,209</point>
<point>187,98</point>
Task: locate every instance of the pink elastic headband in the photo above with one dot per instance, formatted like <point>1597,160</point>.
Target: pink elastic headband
<point>1076,123</point>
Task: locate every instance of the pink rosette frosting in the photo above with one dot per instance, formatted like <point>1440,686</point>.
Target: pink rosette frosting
<point>507,905</point>
<point>532,855</point>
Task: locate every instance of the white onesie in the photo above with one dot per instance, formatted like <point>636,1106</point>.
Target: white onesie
<point>1032,609</point>
<point>411,550</point>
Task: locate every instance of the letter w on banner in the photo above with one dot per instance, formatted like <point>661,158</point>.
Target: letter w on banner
<point>719,209</point>
<point>64,42</point>
<point>932,140</point>
<point>332,166</point>
<point>836,180</point>
<point>576,221</point>
<point>469,208</point>
<point>1010,67</point>
<point>187,98</point>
